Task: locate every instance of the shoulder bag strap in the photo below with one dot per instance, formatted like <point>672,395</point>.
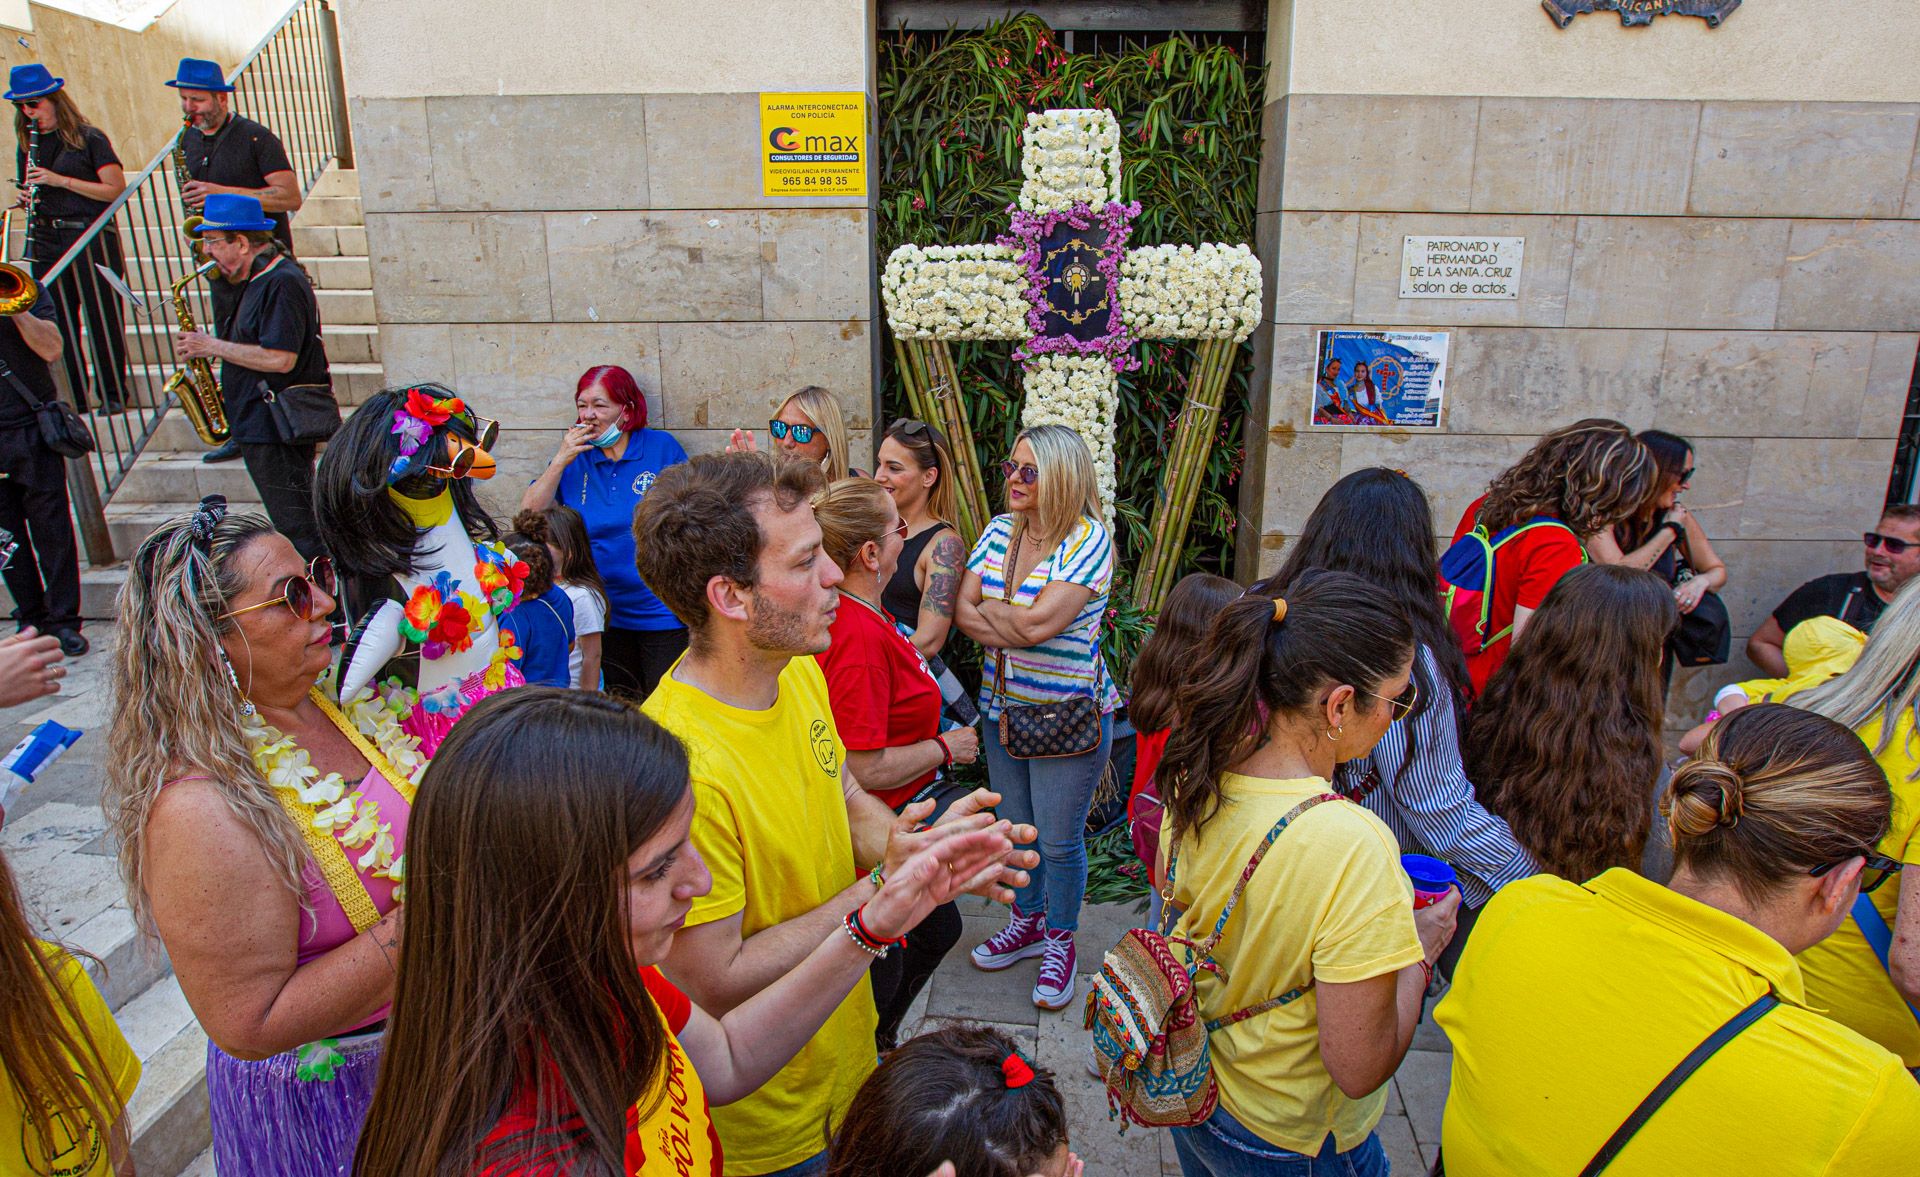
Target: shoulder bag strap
<point>1006,595</point>
<point>1205,949</point>
<point>1879,936</point>
<point>20,386</point>
<point>1659,1095</point>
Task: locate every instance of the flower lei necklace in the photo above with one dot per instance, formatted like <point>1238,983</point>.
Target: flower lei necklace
<point>444,620</point>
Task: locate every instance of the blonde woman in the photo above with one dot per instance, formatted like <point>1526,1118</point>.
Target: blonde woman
<point>808,425</point>
<point>913,465</point>
<point>1035,595</point>
<point>1878,699</point>
<point>277,902</point>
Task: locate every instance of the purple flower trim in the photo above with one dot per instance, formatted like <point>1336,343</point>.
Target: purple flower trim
<point>1027,232</point>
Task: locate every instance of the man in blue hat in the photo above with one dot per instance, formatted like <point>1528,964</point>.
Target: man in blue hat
<point>229,154</point>
<point>270,343</point>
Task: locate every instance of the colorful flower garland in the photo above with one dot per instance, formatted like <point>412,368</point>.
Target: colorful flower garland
<point>415,424</point>
<point>444,619</point>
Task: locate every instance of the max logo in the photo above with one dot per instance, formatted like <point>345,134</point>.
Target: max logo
<point>787,139</point>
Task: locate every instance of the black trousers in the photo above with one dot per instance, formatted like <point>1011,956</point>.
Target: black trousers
<point>900,975</point>
<point>44,576</point>
<point>284,476</point>
<point>635,660</point>
<point>81,294</point>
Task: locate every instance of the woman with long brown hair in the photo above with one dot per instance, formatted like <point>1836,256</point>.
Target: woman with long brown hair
<point>1565,741</point>
<point>1283,691</point>
<point>75,176</point>
<point>913,465</point>
<point>551,864</point>
<point>1578,998</point>
<point>66,1072</point>
<point>1574,483</point>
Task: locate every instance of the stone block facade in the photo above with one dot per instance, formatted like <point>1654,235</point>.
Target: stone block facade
<point>1740,273</point>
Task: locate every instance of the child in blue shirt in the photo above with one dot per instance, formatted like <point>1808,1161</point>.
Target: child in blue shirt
<point>542,621</point>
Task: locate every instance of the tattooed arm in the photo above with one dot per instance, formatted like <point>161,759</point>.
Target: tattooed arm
<point>941,583</point>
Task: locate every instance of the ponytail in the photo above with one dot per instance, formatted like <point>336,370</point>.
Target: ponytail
<point>1264,655</point>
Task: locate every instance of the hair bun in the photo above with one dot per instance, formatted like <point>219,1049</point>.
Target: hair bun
<point>1703,796</point>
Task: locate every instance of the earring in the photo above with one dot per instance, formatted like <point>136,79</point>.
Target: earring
<point>246,704</point>
<point>1333,733</point>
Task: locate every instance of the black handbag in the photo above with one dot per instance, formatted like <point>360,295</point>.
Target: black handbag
<point>62,430</point>
<point>303,414</point>
<point>1041,731</point>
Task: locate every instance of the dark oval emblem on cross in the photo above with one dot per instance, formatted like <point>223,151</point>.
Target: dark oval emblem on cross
<point>1079,303</point>
<point>1640,12</point>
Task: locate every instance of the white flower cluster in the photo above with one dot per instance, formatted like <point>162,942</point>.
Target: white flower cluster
<point>1191,292</point>
<point>1082,393</point>
<point>955,292</point>
<point>1071,157</point>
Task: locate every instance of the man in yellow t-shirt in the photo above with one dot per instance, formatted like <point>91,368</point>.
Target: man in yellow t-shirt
<point>76,1147</point>
<point>1572,1003</point>
<point>729,543</point>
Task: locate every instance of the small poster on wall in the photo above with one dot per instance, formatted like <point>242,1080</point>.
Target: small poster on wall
<point>1379,379</point>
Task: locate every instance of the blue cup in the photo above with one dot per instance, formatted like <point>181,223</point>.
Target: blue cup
<point>1432,879</point>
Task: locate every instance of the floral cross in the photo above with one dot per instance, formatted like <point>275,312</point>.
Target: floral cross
<point>1072,167</point>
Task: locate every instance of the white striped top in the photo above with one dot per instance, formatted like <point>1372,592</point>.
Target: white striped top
<point>1069,663</point>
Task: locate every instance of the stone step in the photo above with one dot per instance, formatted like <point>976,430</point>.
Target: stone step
<point>168,1112</point>
<point>352,307</point>
<point>313,240</point>
<point>180,478</point>
<point>156,274</point>
<point>329,210</point>
<point>132,963</point>
<point>129,523</point>
<point>337,181</point>
<point>347,343</point>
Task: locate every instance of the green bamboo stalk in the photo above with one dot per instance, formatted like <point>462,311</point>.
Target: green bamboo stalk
<point>971,487</point>
<point>1180,486</point>
<point>910,381</point>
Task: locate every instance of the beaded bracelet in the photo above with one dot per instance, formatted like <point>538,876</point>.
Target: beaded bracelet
<point>857,928</point>
<point>862,945</point>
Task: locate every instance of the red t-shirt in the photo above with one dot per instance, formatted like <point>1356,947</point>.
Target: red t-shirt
<point>679,1131</point>
<point>1524,571</point>
<point>882,693</point>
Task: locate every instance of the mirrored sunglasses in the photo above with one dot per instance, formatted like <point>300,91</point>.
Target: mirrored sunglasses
<point>297,592</point>
<point>802,434</point>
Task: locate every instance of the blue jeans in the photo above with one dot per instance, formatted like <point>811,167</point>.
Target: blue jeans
<point>1222,1147</point>
<point>813,1166</point>
<point>1054,796</point>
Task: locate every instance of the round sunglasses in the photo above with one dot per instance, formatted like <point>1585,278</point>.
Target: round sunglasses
<point>297,592</point>
<point>802,434</point>
<point>1028,474</point>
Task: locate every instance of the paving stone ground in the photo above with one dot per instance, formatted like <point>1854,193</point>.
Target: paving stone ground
<point>55,837</point>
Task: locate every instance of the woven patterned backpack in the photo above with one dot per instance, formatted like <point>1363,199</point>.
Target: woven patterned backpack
<point>1149,1039</point>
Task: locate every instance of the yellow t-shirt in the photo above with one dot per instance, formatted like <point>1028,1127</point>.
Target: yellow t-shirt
<point>1844,977</point>
<point>79,1146</point>
<point>1328,903</point>
<point>771,823</point>
<point>1573,1001</point>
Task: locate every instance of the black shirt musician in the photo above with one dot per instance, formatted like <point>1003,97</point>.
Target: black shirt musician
<point>273,343</point>
<point>74,176</point>
<point>44,574</point>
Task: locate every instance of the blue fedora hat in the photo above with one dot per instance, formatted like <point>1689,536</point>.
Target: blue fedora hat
<point>232,213</point>
<point>197,73</point>
<point>31,81</point>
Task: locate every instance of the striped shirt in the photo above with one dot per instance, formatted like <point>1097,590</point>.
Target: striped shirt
<point>1432,808</point>
<point>1067,664</point>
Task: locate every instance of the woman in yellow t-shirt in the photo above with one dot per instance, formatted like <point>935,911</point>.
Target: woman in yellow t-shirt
<point>1284,691</point>
<point>1878,699</point>
<point>1574,1001</point>
<point>57,1042</point>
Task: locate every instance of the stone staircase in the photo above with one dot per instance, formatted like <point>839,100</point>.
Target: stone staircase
<point>330,238</point>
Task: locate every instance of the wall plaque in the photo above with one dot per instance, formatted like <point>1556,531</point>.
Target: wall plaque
<point>1640,12</point>
<point>1461,267</point>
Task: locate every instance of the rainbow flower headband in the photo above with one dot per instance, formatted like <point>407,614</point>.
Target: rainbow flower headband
<point>415,424</point>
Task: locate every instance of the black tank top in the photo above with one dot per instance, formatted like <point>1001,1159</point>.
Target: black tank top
<point>901,596</point>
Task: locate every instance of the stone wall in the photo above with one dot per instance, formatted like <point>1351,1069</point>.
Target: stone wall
<point>1742,273</point>
<point>589,193</point>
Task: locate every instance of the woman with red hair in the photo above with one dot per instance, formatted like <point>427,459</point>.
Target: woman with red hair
<point>603,468</point>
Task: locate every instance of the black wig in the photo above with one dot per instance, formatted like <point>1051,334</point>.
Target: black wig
<point>370,537</point>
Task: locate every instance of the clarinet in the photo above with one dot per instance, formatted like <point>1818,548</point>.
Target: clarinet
<point>31,192</point>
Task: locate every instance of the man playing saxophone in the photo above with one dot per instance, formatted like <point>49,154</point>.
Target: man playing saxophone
<point>223,152</point>
<point>272,343</point>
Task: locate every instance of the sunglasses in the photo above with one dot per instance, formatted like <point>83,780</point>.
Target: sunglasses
<point>297,592</point>
<point>1403,702</point>
<point>1686,475</point>
<point>909,426</point>
<point>900,529</point>
<point>802,434</point>
<point>29,103</point>
<point>1894,547</point>
<point>1028,474</point>
<point>1878,870</point>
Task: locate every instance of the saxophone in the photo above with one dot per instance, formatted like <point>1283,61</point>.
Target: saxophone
<point>180,179</point>
<point>194,385</point>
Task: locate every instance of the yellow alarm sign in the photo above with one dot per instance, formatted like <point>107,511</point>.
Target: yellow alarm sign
<point>813,144</point>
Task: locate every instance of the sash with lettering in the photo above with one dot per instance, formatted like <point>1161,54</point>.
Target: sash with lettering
<point>678,1136</point>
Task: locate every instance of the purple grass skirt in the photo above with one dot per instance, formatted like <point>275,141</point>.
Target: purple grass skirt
<point>267,1122</point>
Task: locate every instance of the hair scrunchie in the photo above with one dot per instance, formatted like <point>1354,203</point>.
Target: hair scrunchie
<point>1279,610</point>
<point>1016,1069</point>
<point>206,517</point>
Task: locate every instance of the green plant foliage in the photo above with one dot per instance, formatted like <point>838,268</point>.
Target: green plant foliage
<point>952,108</point>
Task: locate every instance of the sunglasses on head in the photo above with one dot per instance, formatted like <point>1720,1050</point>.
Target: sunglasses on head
<point>802,434</point>
<point>1403,702</point>
<point>297,592</point>
<point>1028,474</point>
<point>1879,869</point>
<point>1894,547</point>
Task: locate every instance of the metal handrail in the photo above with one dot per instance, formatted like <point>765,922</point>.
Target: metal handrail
<point>292,83</point>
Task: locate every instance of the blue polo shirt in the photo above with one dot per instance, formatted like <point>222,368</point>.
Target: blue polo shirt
<point>542,626</point>
<point>606,493</point>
